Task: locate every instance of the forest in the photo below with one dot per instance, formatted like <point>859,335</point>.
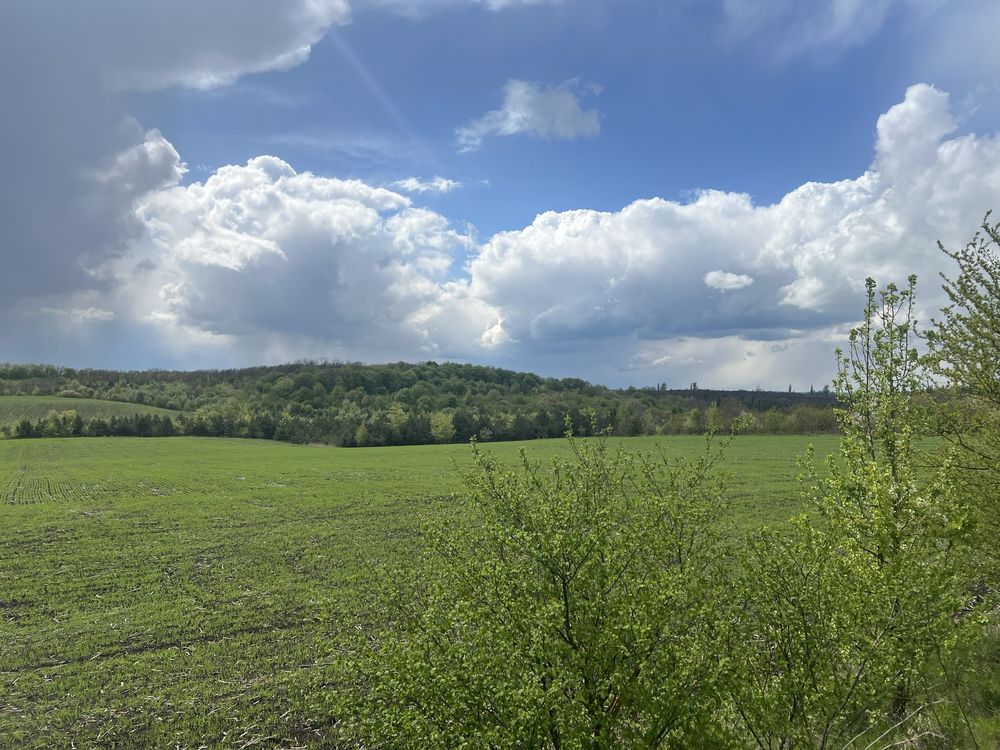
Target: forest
<point>352,404</point>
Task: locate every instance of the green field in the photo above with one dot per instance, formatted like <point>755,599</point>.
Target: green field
<point>189,592</point>
<point>13,408</point>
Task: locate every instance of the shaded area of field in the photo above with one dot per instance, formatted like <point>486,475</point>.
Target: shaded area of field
<point>186,591</point>
<point>13,408</point>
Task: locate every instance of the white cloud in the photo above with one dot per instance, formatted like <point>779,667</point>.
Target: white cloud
<point>201,44</point>
<point>495,335</point>
<point>363,147</point>
<point>91,314</point>
<point>930,38</point>
<point>260,251</point>
<point>909,134</point>
<point>152,164</point>
<point>724,281</point>
<point>555,112</point>
<point>789,28</point>
<point>74,163</point>
<point>736,362</point>
<point>80,314</point>
<point>419,8</point>
<point>260,262</point>
<point>434,185</point>
<point>633,279</point>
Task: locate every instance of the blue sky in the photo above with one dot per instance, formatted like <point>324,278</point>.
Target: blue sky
<point>682,106</point>
<point>198,184</point>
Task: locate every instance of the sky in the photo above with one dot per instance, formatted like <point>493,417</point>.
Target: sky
<point>632,192</point>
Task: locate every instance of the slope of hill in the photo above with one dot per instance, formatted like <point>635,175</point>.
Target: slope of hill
<point>402,403</point>
<point>15,408</point>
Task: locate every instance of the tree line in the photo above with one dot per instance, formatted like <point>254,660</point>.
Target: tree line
<point>70,424</point>
<point>350,404</point>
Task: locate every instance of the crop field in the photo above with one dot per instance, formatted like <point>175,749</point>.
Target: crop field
<point>13,408</point>
<point>191,592</point>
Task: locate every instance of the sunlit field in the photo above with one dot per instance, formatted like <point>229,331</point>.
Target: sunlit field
<point>192,592</point>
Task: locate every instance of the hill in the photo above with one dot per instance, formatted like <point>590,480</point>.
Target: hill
<point>15,408</point>
<point>353,404</point>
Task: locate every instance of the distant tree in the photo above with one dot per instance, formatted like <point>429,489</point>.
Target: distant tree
<point>713,418</point>
<point>694,422</point>
<point>442,427</point>
<point>465,425</point>
<point>416,429</point>
<point>24,429</point>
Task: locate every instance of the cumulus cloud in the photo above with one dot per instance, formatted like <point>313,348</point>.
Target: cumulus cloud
<point>909,134</point>
<point>261,262</point>
<point>724,281</point>
<point>634,279</point>
<point>736,362</point>
<point>74,162</point>
<point>589,275</point>
<point>154,163</point>
<point>259,251</point>
<point>433,185</point>
<point>555,112</point>
<point>76,165</point>
<point>202,45</point>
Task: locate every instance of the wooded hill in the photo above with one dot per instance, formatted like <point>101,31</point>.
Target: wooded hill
<point>352,404</point>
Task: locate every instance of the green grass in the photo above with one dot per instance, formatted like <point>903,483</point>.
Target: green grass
<point>190,592</point>
<point>14,408</point>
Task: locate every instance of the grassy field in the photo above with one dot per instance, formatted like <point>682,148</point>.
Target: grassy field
<point>190,592</point>
<point>13,408</point>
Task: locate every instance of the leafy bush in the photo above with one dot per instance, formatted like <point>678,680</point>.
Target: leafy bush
<point>580,609</point>
<point>849,618</point>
